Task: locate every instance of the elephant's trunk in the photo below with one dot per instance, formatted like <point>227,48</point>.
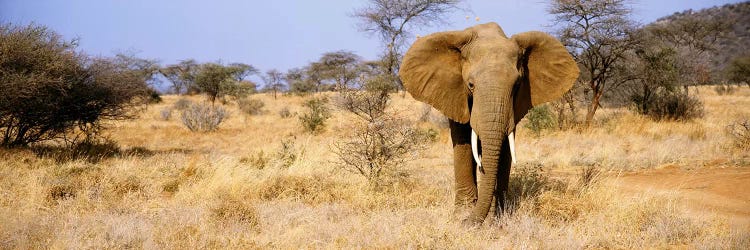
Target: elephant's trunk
<point>491,115</point>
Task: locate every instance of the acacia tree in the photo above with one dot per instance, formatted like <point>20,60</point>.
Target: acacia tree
<point>274,81</point>
<point>216,80</point>
<point>240,71</point>
<point>181,75</point>
<point>340,67</point>
<point>598,34</point>
<point>392,21</point>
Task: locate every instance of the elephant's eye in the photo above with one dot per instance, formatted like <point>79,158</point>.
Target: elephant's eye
<point>471,86</point>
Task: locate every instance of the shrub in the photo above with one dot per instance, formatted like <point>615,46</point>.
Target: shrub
<point>675,106</point>
<point>251,106</point>
<point>381,141</point>
<point>182,104</point>
<point>51,91</point>
<point>539,118</point>
<point>376,149</point>
<point>203,117</point>
<point>739,134</point>
<point>317,114</point>
<point>285,113</point>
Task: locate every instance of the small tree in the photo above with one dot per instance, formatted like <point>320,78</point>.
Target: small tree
<point>274,81</point>
<point>598,34</point>
<point>376,150</point>
<point>380,141</point>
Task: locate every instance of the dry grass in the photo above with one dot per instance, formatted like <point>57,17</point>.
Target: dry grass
<point>209,190</point>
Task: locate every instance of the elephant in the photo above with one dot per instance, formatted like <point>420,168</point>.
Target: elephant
<point>485,83</point>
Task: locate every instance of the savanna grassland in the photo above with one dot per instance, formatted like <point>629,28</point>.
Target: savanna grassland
<point>260,181</point>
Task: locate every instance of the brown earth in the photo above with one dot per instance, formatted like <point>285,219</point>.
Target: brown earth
<point>721,191</point>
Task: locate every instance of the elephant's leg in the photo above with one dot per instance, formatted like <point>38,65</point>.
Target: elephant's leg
<point>464,167</point>
<point>503,178</point>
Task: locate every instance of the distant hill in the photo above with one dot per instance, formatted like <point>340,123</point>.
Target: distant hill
<point>734,43</point>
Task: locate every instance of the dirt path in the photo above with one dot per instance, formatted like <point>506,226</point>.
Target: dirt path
<point>721,191</point>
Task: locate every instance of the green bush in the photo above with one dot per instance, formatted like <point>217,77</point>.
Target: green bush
<point>314,119</point>
<point>539,118</point>
<point>676,106</point>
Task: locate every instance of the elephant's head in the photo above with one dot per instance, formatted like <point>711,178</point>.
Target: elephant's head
<point>480,76</point>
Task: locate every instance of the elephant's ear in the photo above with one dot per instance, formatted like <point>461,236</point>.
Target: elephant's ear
<point>548,67</point>
<point>431,72</point>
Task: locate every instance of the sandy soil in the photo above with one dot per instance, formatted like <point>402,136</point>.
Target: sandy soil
<point>722,191</point>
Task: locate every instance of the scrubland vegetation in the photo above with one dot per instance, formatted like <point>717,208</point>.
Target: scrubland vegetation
<point>262,181</point>
<point>333,155</point>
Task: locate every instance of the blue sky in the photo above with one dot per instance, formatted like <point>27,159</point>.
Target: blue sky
<point>266,34</point>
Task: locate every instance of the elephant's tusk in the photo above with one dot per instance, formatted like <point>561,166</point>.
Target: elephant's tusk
<point>475,149</point>
<point>512,144</point>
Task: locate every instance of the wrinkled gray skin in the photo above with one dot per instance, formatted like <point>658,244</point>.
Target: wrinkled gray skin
<point>483,80</point>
